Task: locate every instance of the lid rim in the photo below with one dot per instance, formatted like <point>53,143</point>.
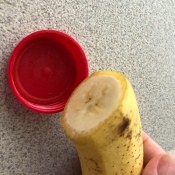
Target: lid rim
<point>43,108</point>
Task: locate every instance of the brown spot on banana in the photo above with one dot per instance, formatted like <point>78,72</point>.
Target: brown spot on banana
<point>137,158</point>
<point>129,135</point>
<point>96,165</point>
<point>123,126</point>
<point>138,135</point>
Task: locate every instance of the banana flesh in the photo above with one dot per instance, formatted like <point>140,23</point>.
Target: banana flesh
<point>93,103</point>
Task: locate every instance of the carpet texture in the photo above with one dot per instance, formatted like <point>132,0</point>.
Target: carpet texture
<point>136,37</point>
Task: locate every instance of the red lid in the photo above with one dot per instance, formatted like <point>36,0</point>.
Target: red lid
<point>44,69</point>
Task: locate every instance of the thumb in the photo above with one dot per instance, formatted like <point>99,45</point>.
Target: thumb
<point>166,165</point>
<point>160,165</point>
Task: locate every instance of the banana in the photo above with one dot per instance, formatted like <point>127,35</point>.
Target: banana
<point>102,119</point>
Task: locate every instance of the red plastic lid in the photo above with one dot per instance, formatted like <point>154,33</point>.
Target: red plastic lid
<point>44,69</point>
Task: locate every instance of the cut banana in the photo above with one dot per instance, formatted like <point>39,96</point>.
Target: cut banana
<point>102,119</point>
<point>94,101</point>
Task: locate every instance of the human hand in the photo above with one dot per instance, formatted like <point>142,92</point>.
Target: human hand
<point>156,161</point>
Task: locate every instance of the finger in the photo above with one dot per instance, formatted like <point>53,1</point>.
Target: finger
<point>160,165</point>
<point>166,165</point>
<point>151,167</point>
<point>151,148</point>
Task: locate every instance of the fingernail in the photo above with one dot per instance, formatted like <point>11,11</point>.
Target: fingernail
<point>166,165</point>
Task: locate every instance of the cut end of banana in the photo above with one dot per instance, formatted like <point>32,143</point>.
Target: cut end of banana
<point>92,102</point>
